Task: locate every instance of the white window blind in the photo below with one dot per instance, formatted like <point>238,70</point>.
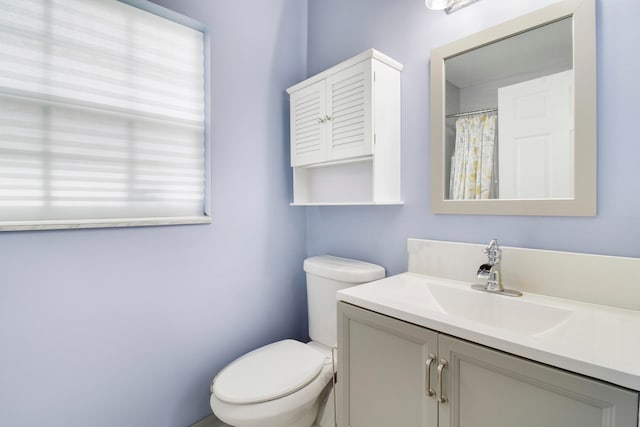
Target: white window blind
<point>102,114</point>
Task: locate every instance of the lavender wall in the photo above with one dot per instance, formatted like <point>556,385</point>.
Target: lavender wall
<point>407,31</point>
<point>126,327</point>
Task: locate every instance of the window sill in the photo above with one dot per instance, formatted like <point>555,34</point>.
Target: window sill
<point>101,223</point>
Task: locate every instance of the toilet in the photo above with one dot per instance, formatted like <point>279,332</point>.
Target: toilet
<point>289,383</point>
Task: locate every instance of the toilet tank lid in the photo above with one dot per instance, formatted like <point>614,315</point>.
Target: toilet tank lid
<point>343,269</point>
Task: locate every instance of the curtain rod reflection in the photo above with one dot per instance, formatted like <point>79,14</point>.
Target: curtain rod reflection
<point>471,113</point>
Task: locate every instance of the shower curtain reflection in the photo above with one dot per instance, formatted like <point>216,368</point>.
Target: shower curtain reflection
<point>473,164</point>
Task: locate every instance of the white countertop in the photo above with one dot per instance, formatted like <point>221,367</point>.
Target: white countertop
<point>598,341</point>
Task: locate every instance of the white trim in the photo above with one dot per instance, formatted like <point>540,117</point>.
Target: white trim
<point>166,13</point>
<point>101,223</point>
<point>208,125</point>
<point>348,204</point>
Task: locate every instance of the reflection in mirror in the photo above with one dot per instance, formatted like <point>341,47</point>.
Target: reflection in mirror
<point>513,116</point>
<point>509,117</point>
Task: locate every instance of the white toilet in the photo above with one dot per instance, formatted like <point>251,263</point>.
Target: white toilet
<point>288,383</point>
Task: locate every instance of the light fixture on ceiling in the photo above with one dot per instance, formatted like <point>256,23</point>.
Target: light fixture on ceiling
<point>449,6</point>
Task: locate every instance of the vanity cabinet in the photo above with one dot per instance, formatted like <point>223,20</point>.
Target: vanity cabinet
<point>387,367</point>
<point>345,133</point>
<point>381,371</point>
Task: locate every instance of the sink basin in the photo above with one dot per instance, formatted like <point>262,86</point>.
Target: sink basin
<point>518,315</point>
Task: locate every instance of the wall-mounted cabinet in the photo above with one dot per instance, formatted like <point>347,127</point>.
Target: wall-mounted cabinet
<point>391,372</point>
<point>345,133</point>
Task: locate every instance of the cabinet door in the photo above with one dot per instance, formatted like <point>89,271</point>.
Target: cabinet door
<point>308,130</point>
<point>349,109</point>
<point>488,388</point>
<point>381,371</point>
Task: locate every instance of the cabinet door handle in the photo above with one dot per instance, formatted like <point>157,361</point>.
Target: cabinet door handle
<point>428,390</point>
<point>443,364</point>
<point>321,120</point>
<point>327,118</point>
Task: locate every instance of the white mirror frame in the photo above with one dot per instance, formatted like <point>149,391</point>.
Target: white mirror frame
<point>584,202</point>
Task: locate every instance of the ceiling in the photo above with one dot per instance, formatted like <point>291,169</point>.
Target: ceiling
<point>548,47</point>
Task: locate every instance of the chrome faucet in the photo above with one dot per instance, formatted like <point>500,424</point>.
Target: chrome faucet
<point>491,272</point>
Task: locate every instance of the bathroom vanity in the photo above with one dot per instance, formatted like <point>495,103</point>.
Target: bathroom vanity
<point>421,350</point>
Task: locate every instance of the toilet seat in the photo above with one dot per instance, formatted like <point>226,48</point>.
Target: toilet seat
<point>283,410</point>
<point>270,372</point>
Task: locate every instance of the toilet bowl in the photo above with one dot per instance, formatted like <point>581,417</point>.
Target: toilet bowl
<point>297,407</point>
<point>289,383</point>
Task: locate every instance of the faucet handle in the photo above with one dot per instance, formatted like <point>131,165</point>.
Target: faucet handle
<point>493,251</point>
<point>493,245</point>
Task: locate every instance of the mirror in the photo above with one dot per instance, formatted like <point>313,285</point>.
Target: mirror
<point>513,117</point>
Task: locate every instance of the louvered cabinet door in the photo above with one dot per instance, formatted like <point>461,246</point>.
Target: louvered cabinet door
<point>349,117</point>
<point>308,129</point>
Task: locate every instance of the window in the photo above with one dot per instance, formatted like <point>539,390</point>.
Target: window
<point>103,112</point>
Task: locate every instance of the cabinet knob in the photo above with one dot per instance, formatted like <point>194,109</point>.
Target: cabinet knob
<point>321,120</point>
<point>327,118</point>
<point>443,364</point>
<point>428,390</point>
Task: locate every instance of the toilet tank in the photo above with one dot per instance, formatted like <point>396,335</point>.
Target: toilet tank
<point>326,275</point>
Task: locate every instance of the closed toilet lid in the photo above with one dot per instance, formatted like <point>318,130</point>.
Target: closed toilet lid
<point>268,373</point>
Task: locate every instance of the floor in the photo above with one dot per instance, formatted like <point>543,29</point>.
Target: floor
<point>210,421</point>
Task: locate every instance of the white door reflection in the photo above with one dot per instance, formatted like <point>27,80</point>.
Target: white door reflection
<point>536,142</point>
